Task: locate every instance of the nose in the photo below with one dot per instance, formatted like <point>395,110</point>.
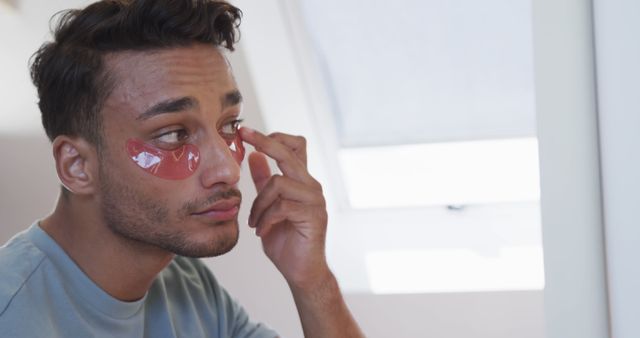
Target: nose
<point>219,164</point>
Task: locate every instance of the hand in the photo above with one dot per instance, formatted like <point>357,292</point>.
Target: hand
<point>290,216</point>
<point>289,213</point>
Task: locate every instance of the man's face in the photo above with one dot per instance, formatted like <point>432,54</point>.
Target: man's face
<point>167,99</point>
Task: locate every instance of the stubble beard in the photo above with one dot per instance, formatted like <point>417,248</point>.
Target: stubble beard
<point>143,220</point>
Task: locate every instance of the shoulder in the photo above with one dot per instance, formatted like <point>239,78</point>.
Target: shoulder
<point>19,259</point>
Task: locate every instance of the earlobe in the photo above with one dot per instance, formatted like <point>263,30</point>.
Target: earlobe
<point>75,158</point>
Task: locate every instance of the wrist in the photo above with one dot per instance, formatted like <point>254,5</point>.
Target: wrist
<point>322,309</point>
<point>321,280</point>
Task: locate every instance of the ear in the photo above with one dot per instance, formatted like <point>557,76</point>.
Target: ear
<point>76,164</point>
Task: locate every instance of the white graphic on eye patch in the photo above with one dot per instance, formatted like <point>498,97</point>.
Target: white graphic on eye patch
<point>146,160</point>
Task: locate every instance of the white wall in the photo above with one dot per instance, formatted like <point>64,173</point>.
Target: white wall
<point>617,57</point>
<point>575,291</point>
<point>463,315</point>
<point>28,181</point>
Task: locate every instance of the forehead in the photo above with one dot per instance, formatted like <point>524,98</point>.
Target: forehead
<point>144,78</point>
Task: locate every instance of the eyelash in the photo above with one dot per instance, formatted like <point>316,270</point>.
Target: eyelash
<point>182,133</point>
<point>181,136</point>
<point>235,124</point>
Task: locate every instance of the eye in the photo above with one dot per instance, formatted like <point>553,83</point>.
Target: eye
<point>173,137</point>
<point>230,129</point>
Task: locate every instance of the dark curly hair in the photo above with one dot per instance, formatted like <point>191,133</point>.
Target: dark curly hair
<point>69,71</point>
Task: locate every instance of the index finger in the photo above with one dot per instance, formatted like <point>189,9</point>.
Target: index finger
<point>286,159</point>
<point>297,144</point>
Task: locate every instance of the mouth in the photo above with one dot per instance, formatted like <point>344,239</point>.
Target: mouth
<point>224,210</point>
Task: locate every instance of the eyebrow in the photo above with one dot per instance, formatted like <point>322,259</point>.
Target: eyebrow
<point>174,105</point>
<point>231,99</point>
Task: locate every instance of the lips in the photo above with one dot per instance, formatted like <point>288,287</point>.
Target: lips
<point>220,211</point>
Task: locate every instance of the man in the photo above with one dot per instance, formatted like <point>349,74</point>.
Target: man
<point>143,111</point>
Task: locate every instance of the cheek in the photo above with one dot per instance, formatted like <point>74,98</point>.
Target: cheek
<point>175,164</point>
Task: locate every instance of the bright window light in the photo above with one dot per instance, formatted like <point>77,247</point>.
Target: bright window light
<point>455,173</point>
<point>455,270</point>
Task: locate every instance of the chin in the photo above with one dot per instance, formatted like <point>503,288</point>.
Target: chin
<point>210,242</point>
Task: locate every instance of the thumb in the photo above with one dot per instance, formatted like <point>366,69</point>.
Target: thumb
<point>260,171</point>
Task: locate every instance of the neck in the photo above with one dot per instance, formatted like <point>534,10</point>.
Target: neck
<point>122,267</point>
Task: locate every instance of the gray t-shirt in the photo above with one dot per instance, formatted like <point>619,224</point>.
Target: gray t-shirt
<point>43,293</point>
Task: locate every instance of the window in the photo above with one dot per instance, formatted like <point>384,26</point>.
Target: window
<point>421,119</point>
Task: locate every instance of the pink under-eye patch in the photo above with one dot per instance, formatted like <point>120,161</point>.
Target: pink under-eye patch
<point>237,149</point>
<point>174,164</point>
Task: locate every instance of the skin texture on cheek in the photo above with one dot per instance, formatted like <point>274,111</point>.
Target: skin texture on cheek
<point>175,164</point>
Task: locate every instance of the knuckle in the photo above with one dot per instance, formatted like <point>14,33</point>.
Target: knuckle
<point>316,185</point>
<point>322,202</point>
<point>302,141</point>
<point>324,217</point>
